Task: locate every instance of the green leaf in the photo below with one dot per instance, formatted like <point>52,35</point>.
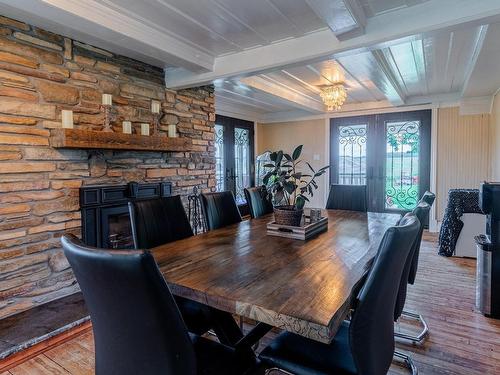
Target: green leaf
<point>300,202</point>
<point>297,175</point>
<point>266,178</point>
<point>289,187</point>
<point>279,157</point>
<point>268,165</point>
<point>288,157</point>
<point>273,156</point>
<point>296,153</point>
<point>310,167</point>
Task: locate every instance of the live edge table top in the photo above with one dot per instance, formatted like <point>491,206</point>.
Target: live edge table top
<point>304,287</point>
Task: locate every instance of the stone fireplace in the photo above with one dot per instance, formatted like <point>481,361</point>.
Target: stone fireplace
<point>42,73</point>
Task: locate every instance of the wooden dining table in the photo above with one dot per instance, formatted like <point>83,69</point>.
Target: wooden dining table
<point>304,287</point>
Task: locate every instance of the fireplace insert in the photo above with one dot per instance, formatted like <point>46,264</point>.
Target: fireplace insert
<point>105,216</point>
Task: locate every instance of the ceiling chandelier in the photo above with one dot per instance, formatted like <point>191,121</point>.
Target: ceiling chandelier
<point>333,96</point>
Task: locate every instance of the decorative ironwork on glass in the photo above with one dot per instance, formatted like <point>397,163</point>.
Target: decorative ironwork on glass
<point>352,155</point>
<point>219,158</point>
<point>242,162</point>
<point>402,166</point>
<point>260,170</point>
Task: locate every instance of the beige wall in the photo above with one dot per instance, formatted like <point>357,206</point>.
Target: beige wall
<point>463,157</point>
<point>495,140</point>
<point>287,135</point>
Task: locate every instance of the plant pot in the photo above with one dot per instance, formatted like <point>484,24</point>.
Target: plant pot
<point>288,215</point>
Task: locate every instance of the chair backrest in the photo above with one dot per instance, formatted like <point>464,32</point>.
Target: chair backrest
<point>137,326</point>
<point>258,201</point>
<point>219,209</point>
<point>422,212</point>
<point>371,331</point>
<point>428,198</point>
<point>347,197</point>
<point>158,221</point>
<point>403,285</point>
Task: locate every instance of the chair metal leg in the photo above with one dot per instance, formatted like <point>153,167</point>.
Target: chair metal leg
<point>421,335</point>
<point>408,362</point>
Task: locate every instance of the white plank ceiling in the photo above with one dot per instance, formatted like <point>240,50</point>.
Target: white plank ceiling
<point>268,57</point>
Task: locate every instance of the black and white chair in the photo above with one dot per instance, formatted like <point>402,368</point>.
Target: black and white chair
<point>137,326</point>
<point>258,201</point>
<point>347,197</point>
<point>162,220</point>
<point>219,209</point>
<point>365,344</point>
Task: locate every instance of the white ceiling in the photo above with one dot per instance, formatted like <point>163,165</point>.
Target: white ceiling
<point>268,57</point>
<point>410,70</point>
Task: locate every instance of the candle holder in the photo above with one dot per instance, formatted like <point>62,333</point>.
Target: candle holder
<point>156,124</point>
<point>109,116</point>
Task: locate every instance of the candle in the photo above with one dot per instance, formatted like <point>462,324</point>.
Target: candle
<point>107,99</point>
<point>172,131</point>
<point>155,106</point>
<point>127,127</point>
<point>144,129</point>
<point>67,119</point>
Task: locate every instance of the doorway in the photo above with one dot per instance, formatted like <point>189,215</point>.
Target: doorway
<point>234,154</point>
<point>389,153</point>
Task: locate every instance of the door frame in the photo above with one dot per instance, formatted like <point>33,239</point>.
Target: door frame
<point>375,154</point>
<point>229,124</point>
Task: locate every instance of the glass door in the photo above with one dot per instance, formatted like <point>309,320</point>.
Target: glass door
<point>389,153</point>
<point>234,154</point>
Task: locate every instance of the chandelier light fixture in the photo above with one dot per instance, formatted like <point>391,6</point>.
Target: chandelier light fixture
<point>333,96</point>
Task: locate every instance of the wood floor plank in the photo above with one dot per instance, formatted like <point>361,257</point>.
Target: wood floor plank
<point>74,357</point>
<point>40,365</point>
<point>461,341</point>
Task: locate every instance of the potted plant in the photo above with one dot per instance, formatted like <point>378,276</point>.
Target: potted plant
<point>288,187</point>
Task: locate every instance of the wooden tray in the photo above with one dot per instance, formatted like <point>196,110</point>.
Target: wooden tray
<point>304,232</point>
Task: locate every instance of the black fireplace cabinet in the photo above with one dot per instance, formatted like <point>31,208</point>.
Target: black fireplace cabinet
<point>105,215</point>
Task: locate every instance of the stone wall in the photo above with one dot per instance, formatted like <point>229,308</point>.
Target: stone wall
<point>40,74</point>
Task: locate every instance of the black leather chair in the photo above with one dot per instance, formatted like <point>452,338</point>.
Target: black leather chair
<point>347,197</point>
<point>158,221</point>
<point>428,197</point>
<point>258,201</point>
<point>219,209</point>
<point>137,326</point>
<point>422,212</point>
<point>162,220</point>
<point>365,345</point>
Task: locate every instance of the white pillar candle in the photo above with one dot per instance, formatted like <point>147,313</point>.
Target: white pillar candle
<point>67,119</point>
<point>107,99</point>
<point>172,131</point>
<point>144,129</point>
<point>155,106</point>
<point>127,127</point>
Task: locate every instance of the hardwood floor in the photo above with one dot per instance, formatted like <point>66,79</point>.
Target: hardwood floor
<point>461,340</point>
